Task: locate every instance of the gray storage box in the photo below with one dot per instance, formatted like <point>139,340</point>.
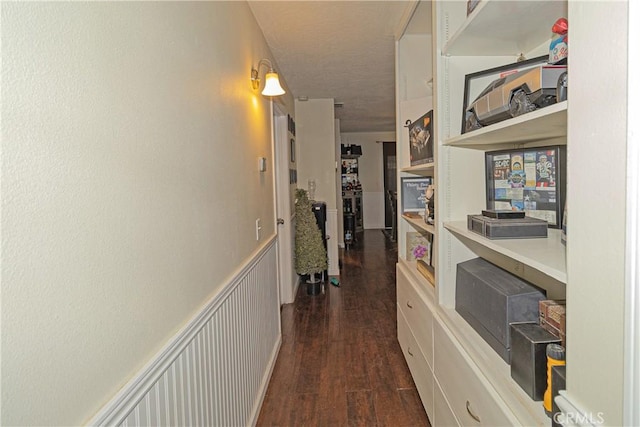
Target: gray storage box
<point>509,228</point>
<point>489,299</point>
<point>529,357</point>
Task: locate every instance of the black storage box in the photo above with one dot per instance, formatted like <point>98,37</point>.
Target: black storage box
<point>558,382</point>
<point>511,228</point>
<point>490,298</point>
<point>529,357</point>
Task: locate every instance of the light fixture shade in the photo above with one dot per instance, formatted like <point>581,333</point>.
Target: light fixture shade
<point>272,85</point>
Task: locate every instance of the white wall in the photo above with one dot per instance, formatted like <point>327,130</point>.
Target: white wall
<point>371,173</point>
<point>413,80</point>
<point>315,138</point>
<point>338,177</point>
<point>315,132</point>
<point>130,188</point>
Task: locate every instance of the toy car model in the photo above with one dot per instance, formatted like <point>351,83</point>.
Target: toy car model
<point>514,95</point>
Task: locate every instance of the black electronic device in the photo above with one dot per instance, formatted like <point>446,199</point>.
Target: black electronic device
<point>503,214</point>
<point>516,228</point>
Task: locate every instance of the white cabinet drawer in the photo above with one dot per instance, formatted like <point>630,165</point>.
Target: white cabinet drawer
<point>420,370</point>
<point>442,414</point>
<point>417,314</point>
<point>473,402</point>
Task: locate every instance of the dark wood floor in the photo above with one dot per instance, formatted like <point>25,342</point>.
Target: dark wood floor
<point>340,363</point>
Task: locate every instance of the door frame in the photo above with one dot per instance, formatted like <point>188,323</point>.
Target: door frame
<point>287,279</point>
<point>387,152</point>
<point>631,411</point>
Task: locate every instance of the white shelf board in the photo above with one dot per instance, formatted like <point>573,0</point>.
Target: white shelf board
<point>532,129</point>
<point>420,224</point>
<point>419,169</point>
<point>544,255</point>
<point>503,28</point>
<point>495,369</point>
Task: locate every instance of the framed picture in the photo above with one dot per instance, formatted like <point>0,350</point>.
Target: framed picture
<point>421,140</point>
<point>476,83</point>
<point>419,246</point>
<point>530,180</point>
<point>292,150</point>
<point>420,249</point>
<point>412,193</point>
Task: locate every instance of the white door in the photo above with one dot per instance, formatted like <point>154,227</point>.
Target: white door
<point>282,164</point>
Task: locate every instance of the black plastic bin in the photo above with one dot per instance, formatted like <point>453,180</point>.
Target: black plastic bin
<point>349,221</point>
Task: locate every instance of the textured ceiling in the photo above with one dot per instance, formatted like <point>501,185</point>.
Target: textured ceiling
<point>343,50</point>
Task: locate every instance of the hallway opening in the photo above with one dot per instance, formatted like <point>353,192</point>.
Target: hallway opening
<point>340,362</point>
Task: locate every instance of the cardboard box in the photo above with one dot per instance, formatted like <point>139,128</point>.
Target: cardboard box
<point>551,329</point>
<point>554,313</point>
<point>553,317</point>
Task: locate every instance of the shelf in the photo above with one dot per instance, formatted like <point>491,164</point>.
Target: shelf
<point>424,169</point>
<point>499,28</point>
<point>427,287</point>
<point>546,256</point>
<point>419,224</point>
<point>530,130</point>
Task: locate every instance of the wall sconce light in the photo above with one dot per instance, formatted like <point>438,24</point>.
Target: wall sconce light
<point>272,82</point>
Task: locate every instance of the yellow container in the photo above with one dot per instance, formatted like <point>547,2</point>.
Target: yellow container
<point>555,357</point>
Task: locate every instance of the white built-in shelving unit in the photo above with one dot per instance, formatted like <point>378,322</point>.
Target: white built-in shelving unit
<point>494,34</point>
<point>420,225</point>
<point>459,377</point>
<point>534,129</point>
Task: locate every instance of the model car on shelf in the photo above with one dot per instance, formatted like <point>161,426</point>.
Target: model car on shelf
<point>514,95</point>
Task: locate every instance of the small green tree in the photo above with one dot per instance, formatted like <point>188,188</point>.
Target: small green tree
<point>311,256</point>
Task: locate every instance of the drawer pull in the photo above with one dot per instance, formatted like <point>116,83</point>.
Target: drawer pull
<point>409,351</point>
<point>474,416</point>
<point>409,305</point>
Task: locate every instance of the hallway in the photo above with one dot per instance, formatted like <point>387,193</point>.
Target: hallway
<point>340,362</point>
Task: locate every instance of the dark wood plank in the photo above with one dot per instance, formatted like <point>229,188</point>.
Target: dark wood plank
<point>307,410</point>
<point>390,409</point>
<point>357,376</point>
<point>309,367</point>
<point>398,365</point>
<point>332,390</point>
<point>411,401</point>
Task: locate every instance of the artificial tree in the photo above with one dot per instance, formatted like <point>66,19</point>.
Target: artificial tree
<point>311,256</point>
